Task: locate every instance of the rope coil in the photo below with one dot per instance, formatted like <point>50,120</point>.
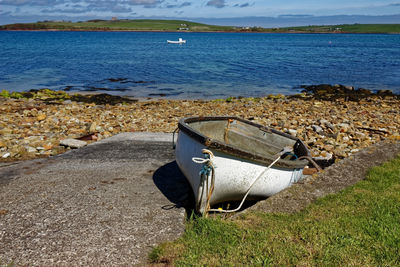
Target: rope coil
<point>207,170</point>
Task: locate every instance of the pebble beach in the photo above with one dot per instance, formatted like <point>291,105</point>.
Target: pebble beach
<point>40,126</point>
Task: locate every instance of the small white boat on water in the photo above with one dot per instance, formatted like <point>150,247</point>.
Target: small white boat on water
<point>180,41</point>
<point>241,160</point>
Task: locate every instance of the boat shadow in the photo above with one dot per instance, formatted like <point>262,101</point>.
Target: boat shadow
<point>173,184</point>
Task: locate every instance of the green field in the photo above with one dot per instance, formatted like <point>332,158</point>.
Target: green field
<point>356,227</point>
<point>119,25</point>
<point>181,25</point>
<point>345,28</point>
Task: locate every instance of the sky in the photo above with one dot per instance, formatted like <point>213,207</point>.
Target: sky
<point>12,11</point>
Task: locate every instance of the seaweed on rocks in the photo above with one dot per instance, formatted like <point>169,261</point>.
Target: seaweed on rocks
<point>348,93</point>
<point>102,99</point>
<point>56,97</point>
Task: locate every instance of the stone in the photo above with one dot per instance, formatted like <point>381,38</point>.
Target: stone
<point>327,124</point>
<point>5,131</point>
<point>344,127</point>
<point>395,137</point>
<point>309,171</point>
<point>72,143</point>
<point>107,134</point>
<point>360,135</point>
<point>384,93</point>
<point>327,156</point>
<point>41,117</point>
<point>340,153</point>
<point>6,155</point>
<point>92,128</point>
<point>317,129</point>
<point>30,149</point>
<point>19,126</point>
<point>330,126</point>
<point>2,144</point>
<point>345,139</point>
<point>292,132</point>
<point>48,146</point>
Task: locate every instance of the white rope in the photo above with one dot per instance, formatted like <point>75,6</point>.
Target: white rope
<point>212,166</point>
<point>208,168</point>
<point>248,190</point>
<point>200,160</point>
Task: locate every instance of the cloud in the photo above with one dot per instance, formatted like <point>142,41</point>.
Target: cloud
<point>96,2</point>
<point>88,6</point>
<point>107,6</point>
<point>80,6</point>
<point>5,13</point>
<point>65,10</point>
<point>144,2</point>
<point>30,2</point>
<point>394,4</point>
<point>243,5</point>
<point>216,3</point>
<point>184,4</point>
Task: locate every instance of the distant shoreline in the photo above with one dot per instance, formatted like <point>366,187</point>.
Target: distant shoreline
<point>266,32</point>
<point>182,26</point>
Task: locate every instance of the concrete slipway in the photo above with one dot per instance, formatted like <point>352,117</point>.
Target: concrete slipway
<point>108,203</point>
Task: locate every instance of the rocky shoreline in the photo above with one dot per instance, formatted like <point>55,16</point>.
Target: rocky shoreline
<point>333,120</point>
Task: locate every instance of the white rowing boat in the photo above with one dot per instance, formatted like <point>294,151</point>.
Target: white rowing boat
<point>180,41</point>
<point>241,154</point>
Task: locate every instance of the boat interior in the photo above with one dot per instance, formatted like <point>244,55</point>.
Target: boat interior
<point>248,137</point>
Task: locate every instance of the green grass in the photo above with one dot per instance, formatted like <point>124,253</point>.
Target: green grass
<point>346,28</point>
<point>110,25</point>
<point>174,25</point>
<point>358,226</point>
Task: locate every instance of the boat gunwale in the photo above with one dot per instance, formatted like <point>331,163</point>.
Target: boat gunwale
<point>211,143</point>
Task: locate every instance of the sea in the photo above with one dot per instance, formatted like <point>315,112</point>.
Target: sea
<point>208,66</point>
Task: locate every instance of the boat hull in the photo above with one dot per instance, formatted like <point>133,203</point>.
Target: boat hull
<point>176,42</point>
<point>233,175</point>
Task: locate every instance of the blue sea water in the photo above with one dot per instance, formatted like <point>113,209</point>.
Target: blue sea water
<point>209,65</point>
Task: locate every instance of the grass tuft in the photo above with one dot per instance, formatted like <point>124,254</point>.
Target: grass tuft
<point>358,226</point>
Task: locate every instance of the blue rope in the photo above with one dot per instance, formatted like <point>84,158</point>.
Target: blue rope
<point>206,170</point>
<point>292,154</point>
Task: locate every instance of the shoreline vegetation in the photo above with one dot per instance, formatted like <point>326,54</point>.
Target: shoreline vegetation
<point>357,226</point>
<point>334,121</point>
<point>144,25</point>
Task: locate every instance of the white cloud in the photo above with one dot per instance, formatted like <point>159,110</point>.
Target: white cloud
<point>216,3</point>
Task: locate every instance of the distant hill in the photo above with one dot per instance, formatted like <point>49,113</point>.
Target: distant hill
<point>118,25</point>
<point>183,25</point>
<point>290,20</point>
<point>345,28</point>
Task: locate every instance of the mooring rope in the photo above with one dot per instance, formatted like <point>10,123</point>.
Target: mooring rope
<point>208,168</point>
